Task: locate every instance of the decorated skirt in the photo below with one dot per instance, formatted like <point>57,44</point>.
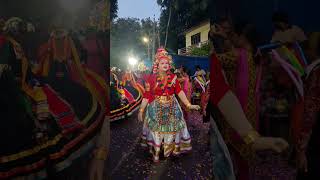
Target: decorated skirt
<point>165,126</point>
<point>124,103</point>
<point>68,135</point>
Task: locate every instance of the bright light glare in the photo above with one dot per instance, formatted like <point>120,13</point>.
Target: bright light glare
<point>132,61</point>
<point>145,39</point>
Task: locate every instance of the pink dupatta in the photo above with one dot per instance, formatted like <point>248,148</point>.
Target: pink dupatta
<point>242,78</point>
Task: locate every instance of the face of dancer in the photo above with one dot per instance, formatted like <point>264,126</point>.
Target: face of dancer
<point>164,65</point>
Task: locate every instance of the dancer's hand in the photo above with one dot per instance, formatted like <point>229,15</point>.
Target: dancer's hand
<point>302,161</point>
<point>268,143</point>
<point>96,169</point>
<point>195,107</point>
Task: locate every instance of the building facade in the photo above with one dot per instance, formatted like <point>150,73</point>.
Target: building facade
<point>195,37</point>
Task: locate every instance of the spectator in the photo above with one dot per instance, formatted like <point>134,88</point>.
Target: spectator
<point>284,31</point>
<point>219,34</point>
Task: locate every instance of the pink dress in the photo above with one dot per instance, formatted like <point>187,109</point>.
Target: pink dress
<point>187,88</point>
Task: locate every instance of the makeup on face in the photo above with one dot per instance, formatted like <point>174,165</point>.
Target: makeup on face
<point>164,65</point>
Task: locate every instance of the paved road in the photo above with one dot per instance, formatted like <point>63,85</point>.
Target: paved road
<point>128,160</point>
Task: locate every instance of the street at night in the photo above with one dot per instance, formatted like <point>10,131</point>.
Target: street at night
<point>129,160</point>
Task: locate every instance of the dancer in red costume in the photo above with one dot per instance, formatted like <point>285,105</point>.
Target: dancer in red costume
<point>65,79</point>
<point>164,123</point>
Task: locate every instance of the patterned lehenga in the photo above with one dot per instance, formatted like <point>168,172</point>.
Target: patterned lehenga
<point>164,124</point>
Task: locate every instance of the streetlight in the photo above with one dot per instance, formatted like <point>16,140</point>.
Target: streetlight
<point>146,40</point>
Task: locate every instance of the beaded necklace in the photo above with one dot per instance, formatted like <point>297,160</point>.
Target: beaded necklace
<point>164,82</point>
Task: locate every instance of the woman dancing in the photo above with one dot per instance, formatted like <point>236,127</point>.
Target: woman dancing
<point>164,120</point>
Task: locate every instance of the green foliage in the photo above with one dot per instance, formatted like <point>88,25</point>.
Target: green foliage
<point>126,39</point>
<point>124,35</point>
<point>113,9</point>
<point>204,50</point>
<point>185,14</point>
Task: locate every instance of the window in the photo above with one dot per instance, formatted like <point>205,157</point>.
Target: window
<point>195,39</point>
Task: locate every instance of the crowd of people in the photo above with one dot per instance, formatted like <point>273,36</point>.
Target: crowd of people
<point>125,91</point>
<point>127,88</point>
<point>256,98</point>
<point>260,97</point>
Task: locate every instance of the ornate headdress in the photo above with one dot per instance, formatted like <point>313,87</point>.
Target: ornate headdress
<point>160,55</point>
<point>12,24</point>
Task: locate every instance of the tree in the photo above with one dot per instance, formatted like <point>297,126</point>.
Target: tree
<point>113,9</point>
<point>126,38</point>
<point>184,14</point>
<point>149,28</point>
<point>204,50</point>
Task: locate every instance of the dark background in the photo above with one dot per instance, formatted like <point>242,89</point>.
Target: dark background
<point>301,13</point>
<point>47,12</point>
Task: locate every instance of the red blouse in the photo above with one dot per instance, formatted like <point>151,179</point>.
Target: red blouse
<point>218,83</point>
<point>154,89</point>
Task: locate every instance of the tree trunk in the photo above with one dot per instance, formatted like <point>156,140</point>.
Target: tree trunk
<point>159,42</point>
<point>167,30</point>
<point>153,37</point>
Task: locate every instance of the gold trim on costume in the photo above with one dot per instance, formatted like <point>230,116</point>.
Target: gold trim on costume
<point>164,99</point>
<point>58,137</point>
<point>168,148</point>
<point>29,152</point>
<point>185,145</point>
<point>251,137</point>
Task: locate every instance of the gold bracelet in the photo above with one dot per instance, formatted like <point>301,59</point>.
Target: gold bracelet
<point>141,110</point>
<point>251,137</point>
<point>101,153</point>
<point>189,105</point>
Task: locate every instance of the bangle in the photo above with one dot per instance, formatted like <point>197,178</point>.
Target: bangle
<point>101,153</point>
<point>141,110</point>
<point>251,137</point>
<point>189,105</point>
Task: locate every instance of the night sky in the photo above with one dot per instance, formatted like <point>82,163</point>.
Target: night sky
<point>138,8</point>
